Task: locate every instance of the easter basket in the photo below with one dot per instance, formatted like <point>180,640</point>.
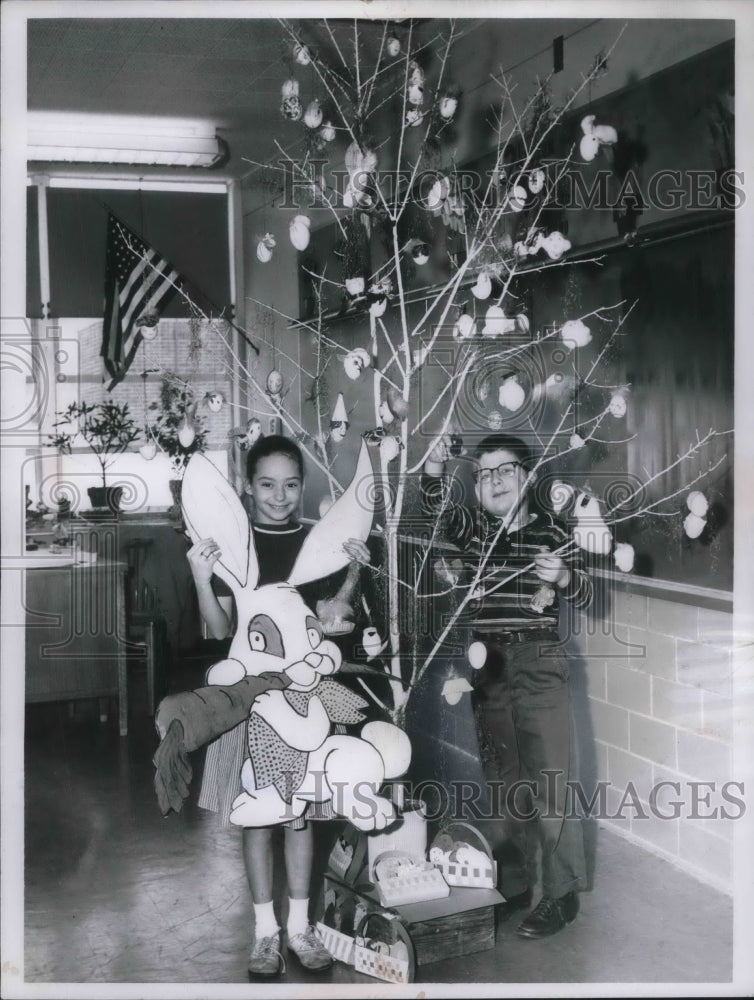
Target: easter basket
<point>400,879</point>
<point>473,868</point>
<point>393,961</point>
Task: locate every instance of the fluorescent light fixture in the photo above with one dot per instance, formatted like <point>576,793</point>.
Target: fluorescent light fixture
<point>62,136</point>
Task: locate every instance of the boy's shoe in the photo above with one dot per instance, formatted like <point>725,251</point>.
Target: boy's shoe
<point>266,959</point>
<point>521,901</point>
<point>550,916</point>
<point>310,951</point>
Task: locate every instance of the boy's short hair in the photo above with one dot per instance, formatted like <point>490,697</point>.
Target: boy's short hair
<point>273,444</point>
<point>505,442</point>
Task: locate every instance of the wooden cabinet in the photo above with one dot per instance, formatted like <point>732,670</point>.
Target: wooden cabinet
<point>76,634</point>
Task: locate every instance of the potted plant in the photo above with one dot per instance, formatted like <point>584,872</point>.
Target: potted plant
<point>177,428</point>
<point>108,429</point>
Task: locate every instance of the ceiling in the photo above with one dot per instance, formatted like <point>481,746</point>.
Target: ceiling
<point>228,70</point>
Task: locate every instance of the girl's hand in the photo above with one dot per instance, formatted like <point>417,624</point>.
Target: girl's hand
<point>551,568</point>
<point>202,558</point>
<point>358,551</point>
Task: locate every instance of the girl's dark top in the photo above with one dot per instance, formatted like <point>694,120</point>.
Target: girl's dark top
<point>523,601</point>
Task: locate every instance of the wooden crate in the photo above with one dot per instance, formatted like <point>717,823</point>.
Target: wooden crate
<point>462,923</point>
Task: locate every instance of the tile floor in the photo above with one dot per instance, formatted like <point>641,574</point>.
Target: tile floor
<point>117,894</point>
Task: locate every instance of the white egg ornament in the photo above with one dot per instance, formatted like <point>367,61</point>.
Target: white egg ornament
<point>624,557</point>
<point>694,525</point>
<point>511,394</point>
<point>313,115</point>
<point>483,287</point>
<point>477,655</point>
<point>617,406</point>
<point>697,503</point>
<point>372,642</point>
<point>574,334</point>
<point>215,401</point>
<point>300,232</point>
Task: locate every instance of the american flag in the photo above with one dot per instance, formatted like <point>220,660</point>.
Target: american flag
<point>138,283</point>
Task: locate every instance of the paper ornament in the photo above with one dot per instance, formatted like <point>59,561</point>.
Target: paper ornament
<point>477,655</point>
<point>300,231</point>
<point>697,503</point>
<point>574,333</point>
<point>591,532</point>
<point>454,689</point>
<point>624,557</point>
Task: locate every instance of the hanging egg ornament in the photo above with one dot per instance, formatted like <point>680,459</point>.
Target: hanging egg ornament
<point>536,180</point>
<point>148,451</point>
<point>186,434</point>
<point>300,231</point>
<point>265,247</point>
<point>393,47</point>
<point>624,557</point>
<point>447,106</point>
<point>274,382</point>
<point>215,401</point>
<point>483,287</point>
<point>301,54</point>
<point>697,503</point>
<point>389,448</point>
<point>575,334</point>
<point>313,115</point>
<point>617,405</point>
<point>477,655</point>
<point>693,525</point>
<point>464,328</point>
<point>511,394</point>
<point>355,286</point>
<point>420,253</point>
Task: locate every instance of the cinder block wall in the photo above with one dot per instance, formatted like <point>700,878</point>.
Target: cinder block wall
<point>653,699</point>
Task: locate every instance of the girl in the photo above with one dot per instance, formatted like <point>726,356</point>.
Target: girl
<point>275,472</point>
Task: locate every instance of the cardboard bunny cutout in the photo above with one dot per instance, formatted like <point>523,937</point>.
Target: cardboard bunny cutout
<point>294,757</point>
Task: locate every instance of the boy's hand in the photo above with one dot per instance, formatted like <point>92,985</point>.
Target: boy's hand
<point>551,568</point>
<point>440,454</point>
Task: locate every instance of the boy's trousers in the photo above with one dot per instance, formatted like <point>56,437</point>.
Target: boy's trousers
<point>523,713</point>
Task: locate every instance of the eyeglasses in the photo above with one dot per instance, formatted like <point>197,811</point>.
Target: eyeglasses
<point>504,471</point>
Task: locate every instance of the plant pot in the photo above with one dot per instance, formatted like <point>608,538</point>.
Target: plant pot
<point>105,498</point>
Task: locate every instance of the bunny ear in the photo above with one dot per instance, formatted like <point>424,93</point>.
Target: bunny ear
<point>211,509</point>
<point>349,517</point>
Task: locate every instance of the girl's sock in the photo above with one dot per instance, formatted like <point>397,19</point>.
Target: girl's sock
<point>298,916</point>
<point>265,924</point>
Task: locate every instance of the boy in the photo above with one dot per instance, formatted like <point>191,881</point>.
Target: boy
<point>521,695</point>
